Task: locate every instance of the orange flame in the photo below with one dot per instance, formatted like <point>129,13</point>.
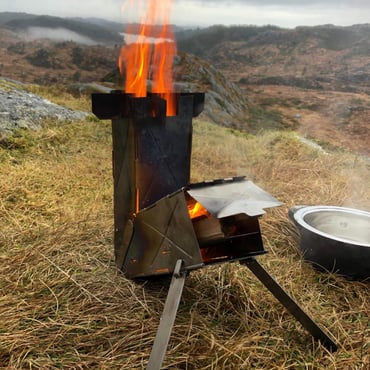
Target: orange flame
<point>143,60</point>
<point>196,210</point>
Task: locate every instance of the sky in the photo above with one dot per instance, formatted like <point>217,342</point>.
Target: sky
<point>282,13</point>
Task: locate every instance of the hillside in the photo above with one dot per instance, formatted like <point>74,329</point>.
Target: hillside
<point>322,57</point>
<point>317,78</point>
<point>97,29</point>
<point>27,23</point>
<point>6,17</point>
<point>45,61</point>
<point>311,79</point>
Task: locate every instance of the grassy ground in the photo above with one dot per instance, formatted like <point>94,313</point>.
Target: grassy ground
<point>64,305</point>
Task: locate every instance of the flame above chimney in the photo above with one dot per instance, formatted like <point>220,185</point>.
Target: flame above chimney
<point>147,60</point>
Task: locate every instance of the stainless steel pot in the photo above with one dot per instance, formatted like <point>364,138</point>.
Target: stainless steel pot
<point>335,239</point>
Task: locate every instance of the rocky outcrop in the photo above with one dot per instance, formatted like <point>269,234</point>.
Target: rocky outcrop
<point>20,109</point>
<point>225,104</point>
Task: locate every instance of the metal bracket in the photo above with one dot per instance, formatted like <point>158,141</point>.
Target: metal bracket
<point>270,283</point>
<point>168,317</point>
<point>173,300</point>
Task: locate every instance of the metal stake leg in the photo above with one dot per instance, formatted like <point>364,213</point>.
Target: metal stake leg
<point>290,304</point>
<point>168,318</point>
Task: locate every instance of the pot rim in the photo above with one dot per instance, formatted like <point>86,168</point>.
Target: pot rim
<point>306,210</point>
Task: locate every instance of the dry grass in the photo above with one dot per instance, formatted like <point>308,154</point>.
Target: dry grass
<point>64,305</point>
<point>59,94</point>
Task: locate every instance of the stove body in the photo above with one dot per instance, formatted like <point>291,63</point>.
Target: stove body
<point>153,196</point>
<point>163,224</point>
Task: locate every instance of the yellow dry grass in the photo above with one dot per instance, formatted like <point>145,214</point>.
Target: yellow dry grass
<point>64,305</point>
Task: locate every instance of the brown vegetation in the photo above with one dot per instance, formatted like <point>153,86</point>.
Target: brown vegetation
<point>335,120</point>
<point>314,80</point>
<point>64,305</point>
<point>46,62</point>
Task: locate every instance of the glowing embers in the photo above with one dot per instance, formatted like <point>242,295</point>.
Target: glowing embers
<point>196,210</point>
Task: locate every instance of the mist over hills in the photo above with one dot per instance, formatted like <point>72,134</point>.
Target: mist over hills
<point>89,30</point>
<point>97,29</point>
<point>321,57</point>
<point>314,79</point>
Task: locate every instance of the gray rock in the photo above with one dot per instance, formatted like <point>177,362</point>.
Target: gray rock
<point>21,109</point>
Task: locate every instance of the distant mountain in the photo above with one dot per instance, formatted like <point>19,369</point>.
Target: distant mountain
<point>321,57</point>
<point>123,27</point>
<point>194,41</point>
<point>109,25</point>
<point>324,57</point>
<point>97,29</point>
<point>45,61</point>
<point>86,29</point>
<point>312,79</point>
<point>6,17</point>
<point>328,37</point>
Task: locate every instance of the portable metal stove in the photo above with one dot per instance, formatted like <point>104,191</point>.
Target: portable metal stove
<point>163,224</point>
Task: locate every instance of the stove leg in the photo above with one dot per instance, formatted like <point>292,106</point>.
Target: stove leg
<point>269,282</point>
<point>168,318</point>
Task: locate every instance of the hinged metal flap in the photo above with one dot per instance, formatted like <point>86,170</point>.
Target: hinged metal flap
<point>233,196</point>
<point>163,234</point>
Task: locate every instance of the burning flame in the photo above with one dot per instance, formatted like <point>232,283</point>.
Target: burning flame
<point>144,60</point>
<point>196,210</point>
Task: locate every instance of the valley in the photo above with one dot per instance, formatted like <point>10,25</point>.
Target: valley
<point>334,120</point>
